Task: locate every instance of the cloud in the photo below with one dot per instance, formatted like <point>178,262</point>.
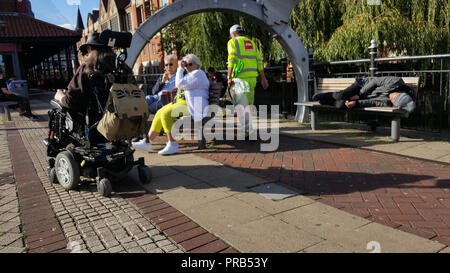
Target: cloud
<point>68,26</point>
<point>73,2</point>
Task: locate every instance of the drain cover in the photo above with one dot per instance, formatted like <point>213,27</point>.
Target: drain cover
<point>274,191</point>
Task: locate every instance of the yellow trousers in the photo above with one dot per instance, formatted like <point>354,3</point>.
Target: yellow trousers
<point>166,116</point>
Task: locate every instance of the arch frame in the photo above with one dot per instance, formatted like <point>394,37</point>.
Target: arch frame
<point>272,15</point>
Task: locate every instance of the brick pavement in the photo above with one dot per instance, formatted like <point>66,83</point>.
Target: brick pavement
<point>11,236</point>
<point>408,194</point>
<point>91,223</point>
<point>131,220</point>
<point>411,195</point>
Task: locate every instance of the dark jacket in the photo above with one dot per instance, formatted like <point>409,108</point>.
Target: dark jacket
<point>158,86</point>
<point>2,85</point>
<point>81,95</point>
<point>374,102</point>
<point>374,87</point>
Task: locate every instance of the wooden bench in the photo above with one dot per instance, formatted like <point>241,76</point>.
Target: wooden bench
<point>5,105</point>
<point>338,84</point>
<point>215,92</point>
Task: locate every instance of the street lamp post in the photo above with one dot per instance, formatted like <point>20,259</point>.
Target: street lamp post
<point>284,84</point>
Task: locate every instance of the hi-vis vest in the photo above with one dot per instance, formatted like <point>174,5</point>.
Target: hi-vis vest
<point>244,49</point>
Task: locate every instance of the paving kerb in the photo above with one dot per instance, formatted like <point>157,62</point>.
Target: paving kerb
<point>11,234</point>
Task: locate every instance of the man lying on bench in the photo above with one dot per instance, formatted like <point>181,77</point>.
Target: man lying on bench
<point>371,92</point>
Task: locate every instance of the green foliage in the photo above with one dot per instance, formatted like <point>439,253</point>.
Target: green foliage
<point>416,27</point>
<point>336,29</point>
<point>315,21</point>
<point>207,34</point>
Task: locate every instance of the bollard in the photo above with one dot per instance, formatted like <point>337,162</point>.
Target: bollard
<point>373,54</point>
<point>284,81</point>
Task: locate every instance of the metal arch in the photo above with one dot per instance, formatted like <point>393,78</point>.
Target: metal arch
<point>272,15</point>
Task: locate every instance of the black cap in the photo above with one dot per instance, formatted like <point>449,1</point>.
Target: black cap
<point>92,40</point>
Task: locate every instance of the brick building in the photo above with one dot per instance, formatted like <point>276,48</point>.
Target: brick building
<point>128,15</point>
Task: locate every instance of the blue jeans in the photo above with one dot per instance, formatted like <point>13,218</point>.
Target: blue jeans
<point>153,103</point>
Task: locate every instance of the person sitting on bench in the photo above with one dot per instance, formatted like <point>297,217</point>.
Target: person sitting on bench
<point>22,106</point>
<point>164,83</point>
<point>370,92</point>
<point>192,97</point>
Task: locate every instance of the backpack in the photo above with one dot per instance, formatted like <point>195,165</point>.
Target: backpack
<point>125,114</point>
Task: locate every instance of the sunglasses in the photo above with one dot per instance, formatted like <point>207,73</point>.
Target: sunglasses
<point>168,64</point>
<point>189,64</point>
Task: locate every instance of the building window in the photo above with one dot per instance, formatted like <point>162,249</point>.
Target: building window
<point>127,23</point>
<point>140,15</point>
<point>148,7</point>
<point>164,3</point>
<point>153,49</point>
<point>104,26</point>
<point>115,24</point>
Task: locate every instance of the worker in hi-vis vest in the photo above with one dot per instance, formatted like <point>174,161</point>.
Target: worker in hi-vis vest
<point>246,63</point>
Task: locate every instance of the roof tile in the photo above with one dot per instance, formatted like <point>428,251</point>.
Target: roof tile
<point>19,26</point>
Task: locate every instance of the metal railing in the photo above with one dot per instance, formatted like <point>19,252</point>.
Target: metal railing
<point>433,98</point>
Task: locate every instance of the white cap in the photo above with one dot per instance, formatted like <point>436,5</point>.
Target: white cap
<point>236,28</point>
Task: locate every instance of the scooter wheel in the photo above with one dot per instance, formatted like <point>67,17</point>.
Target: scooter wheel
<point>67,170</point>
<point>104,187</point>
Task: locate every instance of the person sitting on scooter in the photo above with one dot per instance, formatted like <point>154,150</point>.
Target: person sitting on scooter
<point>88,91</point>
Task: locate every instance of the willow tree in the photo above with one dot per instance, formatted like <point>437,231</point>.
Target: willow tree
<point>343,29</point>
<point>206,35</point>
<point>315,21</point>
<point>336,29</point>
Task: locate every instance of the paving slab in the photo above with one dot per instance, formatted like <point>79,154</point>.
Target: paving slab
<point>212,173</point>
<point>223,214</point>
<point>274,192</point>
<point>235,182</point>
<point>326,247</point>
<point>161,170</point>
<point>170,182</point>
<point>355,233</point>
<point>273,207</point>
<point>389,241</point>
<point>192,196</point>
<point>322,220</point>
<point>268,235</point>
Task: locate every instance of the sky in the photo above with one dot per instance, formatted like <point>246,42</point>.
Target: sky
<point>63,12</point>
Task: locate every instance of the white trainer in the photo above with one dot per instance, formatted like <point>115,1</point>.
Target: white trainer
<point>143,145</point>
<point>171,148</point>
